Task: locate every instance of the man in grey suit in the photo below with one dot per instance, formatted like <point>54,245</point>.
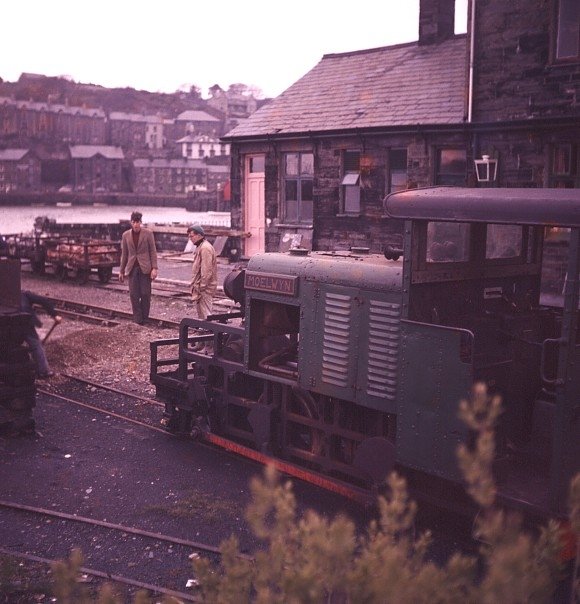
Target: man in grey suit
<point>139,264</point>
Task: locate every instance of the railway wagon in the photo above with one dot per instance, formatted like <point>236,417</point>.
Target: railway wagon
<point>17,374</point>
<point>350,364</point>
<point>68,255</point>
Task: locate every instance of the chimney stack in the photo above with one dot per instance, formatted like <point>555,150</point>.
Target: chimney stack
<point>436,20</point>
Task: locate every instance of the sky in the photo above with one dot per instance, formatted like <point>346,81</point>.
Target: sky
<point>169,45</point>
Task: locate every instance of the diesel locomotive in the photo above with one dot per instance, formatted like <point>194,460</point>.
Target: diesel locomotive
<point>350,364</point>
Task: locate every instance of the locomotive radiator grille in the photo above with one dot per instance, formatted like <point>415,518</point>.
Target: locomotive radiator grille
<point>335,348</point>
<point>384,322</point>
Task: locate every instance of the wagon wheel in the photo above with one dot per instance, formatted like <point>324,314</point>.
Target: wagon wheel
<point>105,273</point>
<point>82,275</point>
<point>61,272</point>
<point>38,267</point>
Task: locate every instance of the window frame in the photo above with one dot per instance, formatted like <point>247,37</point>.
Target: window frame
<point>450,178</point>
<point>350,182</point>
<point>569,177</point>
<point>558,32</point>
<point>389,184</point>
<point>301,179</point>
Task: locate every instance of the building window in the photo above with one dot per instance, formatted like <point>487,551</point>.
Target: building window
<point>451,167</point>
<point>350,185</point>
<point>566,166</point>
<point>568,40</point>
<point>298,187</point>
<point>397,175</point>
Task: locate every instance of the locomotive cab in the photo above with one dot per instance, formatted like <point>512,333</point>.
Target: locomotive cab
<point>473,312</point>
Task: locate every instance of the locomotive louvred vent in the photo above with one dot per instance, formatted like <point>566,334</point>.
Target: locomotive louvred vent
<point>335,349</point>
<point>384,322</point>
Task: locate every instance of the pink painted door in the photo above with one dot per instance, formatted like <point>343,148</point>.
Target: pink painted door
<point>255,205</point>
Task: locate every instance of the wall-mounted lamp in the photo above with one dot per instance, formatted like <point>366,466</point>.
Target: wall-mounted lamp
<point>486,169</point>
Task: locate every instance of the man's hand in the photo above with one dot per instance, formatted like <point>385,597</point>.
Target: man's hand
<point>121,277</point>
<point>58,319</point>
<point>153,274</point>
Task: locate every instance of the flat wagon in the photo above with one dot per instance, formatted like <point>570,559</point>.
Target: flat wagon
<point>69,256</point>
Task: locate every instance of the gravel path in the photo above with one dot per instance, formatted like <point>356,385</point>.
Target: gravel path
<point>117,356</point>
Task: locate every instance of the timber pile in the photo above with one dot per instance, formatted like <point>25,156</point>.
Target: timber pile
<point>84,254</point>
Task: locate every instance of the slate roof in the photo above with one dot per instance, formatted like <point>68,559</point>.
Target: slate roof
<point>198,138</point>
<point>169,163</point>
<point>135,117</point>
<point>12,154</point>
<point>218,169</point>
<point>88,151</point>
<point>195,116</point>
<point>393,86</point>
<point>52,108</point>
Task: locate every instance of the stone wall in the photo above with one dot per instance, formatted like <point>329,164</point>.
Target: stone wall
<point>516,76</point>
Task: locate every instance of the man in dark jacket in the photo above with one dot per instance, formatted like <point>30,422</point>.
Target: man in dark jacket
<point>139,265</point>
<point>28,301</point>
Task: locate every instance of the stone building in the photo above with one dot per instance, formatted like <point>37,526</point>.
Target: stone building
<point>525,106</point>
<point>28,121</point>
<point>314,165</point>
<point>136,133</point>
<point>217,176</point>
<point>169,176</point>
<point>97,168</point>
<point>195,121</point>
<point>19,171</point>
<point>234,106</point>
<point>201,146</point>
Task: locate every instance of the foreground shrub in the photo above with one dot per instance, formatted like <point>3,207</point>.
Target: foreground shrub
<point>312,559</point>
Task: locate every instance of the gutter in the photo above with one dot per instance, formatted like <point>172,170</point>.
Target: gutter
<point>464,127</point>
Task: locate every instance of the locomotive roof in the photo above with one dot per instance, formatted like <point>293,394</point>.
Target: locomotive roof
<point>550,207</point>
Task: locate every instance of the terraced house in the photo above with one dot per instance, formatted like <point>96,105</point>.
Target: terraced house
<point>312,167</point>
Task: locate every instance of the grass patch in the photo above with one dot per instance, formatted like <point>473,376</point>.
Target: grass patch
<point>197,504</point>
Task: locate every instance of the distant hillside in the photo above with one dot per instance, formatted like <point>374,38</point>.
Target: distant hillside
<point>59,90</point>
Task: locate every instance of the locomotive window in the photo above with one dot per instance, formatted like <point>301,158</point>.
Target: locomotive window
<point>503,241</point>
<point>274,337</point>
<point>447,242</point>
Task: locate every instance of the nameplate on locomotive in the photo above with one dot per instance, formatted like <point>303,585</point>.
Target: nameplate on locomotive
<point>269,282</point>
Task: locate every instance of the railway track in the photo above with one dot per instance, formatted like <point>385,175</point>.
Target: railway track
<point>110,578</point>
<point>152,421</point>
<point>92,313</point>
<point>152,554</point>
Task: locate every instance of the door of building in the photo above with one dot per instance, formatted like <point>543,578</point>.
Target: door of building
<point>255,205</point>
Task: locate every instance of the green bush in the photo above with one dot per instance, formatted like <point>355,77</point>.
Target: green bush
<point>312,559</point>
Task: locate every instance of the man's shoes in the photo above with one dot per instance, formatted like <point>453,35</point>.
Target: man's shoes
<point>46,376</point>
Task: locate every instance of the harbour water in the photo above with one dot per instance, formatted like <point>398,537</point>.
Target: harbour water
<point>20,219</point>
